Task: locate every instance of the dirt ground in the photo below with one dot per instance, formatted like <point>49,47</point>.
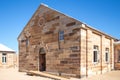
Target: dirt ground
<point>13,74</point>
<point>112,75</point>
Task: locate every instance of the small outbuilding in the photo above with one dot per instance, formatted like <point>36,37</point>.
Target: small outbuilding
<point>7,57</point>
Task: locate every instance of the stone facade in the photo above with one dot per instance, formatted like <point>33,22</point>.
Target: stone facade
<point>54,42</point>
<point>117,55</point>
<point>89,38</point>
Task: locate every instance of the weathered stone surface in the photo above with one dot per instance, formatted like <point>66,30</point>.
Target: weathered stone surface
<point>44,33</point>
<point>72,56</point>
<point>117,55</point>
<point>89,38</point>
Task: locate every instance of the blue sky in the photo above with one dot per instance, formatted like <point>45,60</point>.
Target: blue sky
<point>103,15</point>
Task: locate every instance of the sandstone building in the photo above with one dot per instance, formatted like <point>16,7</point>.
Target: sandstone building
<point>54,42</point>
<point>7,57</point>
<point>117,55</point>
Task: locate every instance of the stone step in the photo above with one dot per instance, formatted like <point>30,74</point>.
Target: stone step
<point>43,74</point>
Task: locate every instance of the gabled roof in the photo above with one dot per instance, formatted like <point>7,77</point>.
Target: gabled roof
<point>46,6</point>
<point>5,48</point>
<point>38,9</point>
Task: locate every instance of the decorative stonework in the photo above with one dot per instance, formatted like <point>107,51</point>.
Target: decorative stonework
<point>41,22</point>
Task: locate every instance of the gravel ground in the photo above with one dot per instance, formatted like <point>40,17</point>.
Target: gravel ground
<point>13,74</point>
<point>112,75</point>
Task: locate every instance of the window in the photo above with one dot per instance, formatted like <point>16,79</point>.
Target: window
<point>4,60</point>
<point>118,52</point>
<point>95,54</point>
<point>27,45</point>
<point>61,35</point>
<point>107,54</point>
<point>27,42</point>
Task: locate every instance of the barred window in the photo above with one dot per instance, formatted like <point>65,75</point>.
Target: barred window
<point>107,54</point>
<point>61,35</point>
<point>95,53</point>
<point>4,59</point>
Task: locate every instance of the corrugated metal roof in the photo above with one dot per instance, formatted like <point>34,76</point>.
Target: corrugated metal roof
<point>5,48</point>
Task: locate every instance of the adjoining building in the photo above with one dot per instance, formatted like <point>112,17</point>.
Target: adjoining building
<point>117,55</point>
<point>7,57</point>
<point>54,42</point>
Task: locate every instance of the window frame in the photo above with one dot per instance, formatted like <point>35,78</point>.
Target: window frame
<point>27,42</point>
<point>4,58</point>
<point>107,55</point>
<point>61,35</point>
<point>95,55</point>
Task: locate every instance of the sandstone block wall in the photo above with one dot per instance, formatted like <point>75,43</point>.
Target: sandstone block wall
<point>10,60</point>
<point>72,56</point>
<point>116,56</point>
<point>89,38</point>
<point>62,56</point>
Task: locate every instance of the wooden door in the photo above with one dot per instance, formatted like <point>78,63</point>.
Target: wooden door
<point>42,62</point>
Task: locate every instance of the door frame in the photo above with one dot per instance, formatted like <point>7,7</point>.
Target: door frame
<point>43,54</point>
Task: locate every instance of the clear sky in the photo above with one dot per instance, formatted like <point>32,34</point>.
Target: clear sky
<point>103,15</point>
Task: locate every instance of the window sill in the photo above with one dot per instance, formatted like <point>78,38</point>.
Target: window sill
<point>61,40</point>
<point>3,63</point>
<point>107,62</point>
<point>95,63</point>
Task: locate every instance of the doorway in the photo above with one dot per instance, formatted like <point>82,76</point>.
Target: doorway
<point>42,60</point>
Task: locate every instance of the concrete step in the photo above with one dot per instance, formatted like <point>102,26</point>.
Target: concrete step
<point>43,74</point>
